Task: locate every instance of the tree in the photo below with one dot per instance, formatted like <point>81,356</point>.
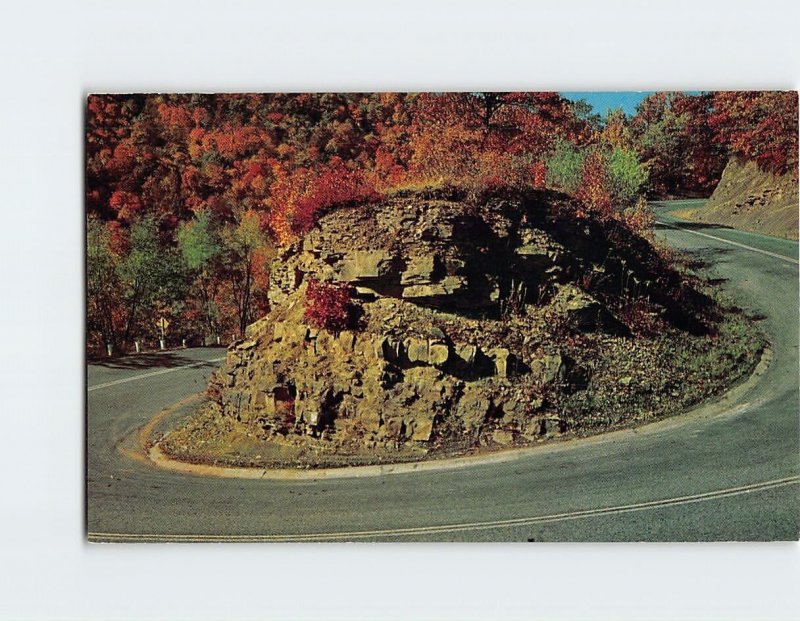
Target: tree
<point>102,283</point>
<point>627,177</point>
<point>593,190</point>
<point>759,126</point>
<point>243,242</point>
<point>152,277</point>
<point>565,166</point>
<point>616,130</point>
<point>201,249</point>
<point>673,138</point>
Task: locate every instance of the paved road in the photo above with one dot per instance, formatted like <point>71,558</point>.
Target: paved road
<point>733,476</point>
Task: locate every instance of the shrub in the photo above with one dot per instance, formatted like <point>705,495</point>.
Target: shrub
<point>641,317</point>
<point>593,190</point>
<point>565,167</point>
<point>612,182</point>
<point>328,305</point>
<point>639,218</point>
<point>299,196</point>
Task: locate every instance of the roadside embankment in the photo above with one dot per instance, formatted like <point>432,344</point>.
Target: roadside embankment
<point>753,200</point>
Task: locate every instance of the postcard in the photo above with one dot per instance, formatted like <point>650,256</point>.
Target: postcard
<point>453,316</point>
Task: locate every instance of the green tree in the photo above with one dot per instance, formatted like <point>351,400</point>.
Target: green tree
<point>584,111</point>
<point>674,137</point>
<point>627,177</point>
<point>153,276</point>
<point>102,283</point>
<point>201,248</point>
<point>565,166</point>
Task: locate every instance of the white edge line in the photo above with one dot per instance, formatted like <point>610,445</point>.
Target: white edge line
<point>732,243</point>
<point>152,373</point>
<point>468,526</point>
<point>474,525</point>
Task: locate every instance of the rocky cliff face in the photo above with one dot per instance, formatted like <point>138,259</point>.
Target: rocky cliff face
<point>753,200</point>
<point>464,317</point>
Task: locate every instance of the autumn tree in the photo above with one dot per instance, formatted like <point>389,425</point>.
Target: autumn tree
<point>593,190</point>
<point>759,126</point>
<point>673,137</point>
<point>243,253</point>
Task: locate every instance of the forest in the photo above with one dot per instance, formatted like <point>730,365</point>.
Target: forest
<point>190,197</point>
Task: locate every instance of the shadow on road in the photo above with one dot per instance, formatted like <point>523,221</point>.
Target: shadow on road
<point>145,361</point>
<point>692,226</point>
<point>705,258</point>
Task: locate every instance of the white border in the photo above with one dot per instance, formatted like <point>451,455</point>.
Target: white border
<point>53,53</point>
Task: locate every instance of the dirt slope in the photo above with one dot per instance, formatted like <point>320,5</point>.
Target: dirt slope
<point>750,199</point>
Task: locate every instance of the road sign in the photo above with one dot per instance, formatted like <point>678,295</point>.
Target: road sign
<point>163,324</point>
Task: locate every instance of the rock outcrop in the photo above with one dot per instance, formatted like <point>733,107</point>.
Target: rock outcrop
<point>447,346</point>
<point>753,200</point>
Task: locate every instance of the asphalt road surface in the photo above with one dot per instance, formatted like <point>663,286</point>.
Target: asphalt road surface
<point>731,476</point>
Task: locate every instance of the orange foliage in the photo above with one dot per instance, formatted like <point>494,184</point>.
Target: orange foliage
<point>123,157</point>
<point>118,240</point>
<point>593,189</point>
<point>231,142</point>
<point>175,117</point>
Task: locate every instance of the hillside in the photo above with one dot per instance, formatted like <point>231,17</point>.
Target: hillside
<point>750,199</point>
<point>432,325</point>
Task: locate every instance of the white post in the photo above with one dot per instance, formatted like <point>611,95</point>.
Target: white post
<point>109,349</point>
<point>162,344</point>
<point>137,346</point>
<point>183,342</point>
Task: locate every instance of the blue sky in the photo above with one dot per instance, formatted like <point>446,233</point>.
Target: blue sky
<point>602,101</point>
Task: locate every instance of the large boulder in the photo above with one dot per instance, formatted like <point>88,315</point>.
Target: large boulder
<point>433,356</point>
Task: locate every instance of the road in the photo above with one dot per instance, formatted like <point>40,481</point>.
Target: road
<point>731,476</point>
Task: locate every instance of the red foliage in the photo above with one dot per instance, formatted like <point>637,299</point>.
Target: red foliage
<point>118,240</point>
<point>176,117</point>
<point>758,125</point>
<point>126,205</point>
<point>328,305</point>
<point>538,174</point>
<point>199,116</point>
<point>232,141</point>
<point>123,157</point>
<point>298,196</point>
